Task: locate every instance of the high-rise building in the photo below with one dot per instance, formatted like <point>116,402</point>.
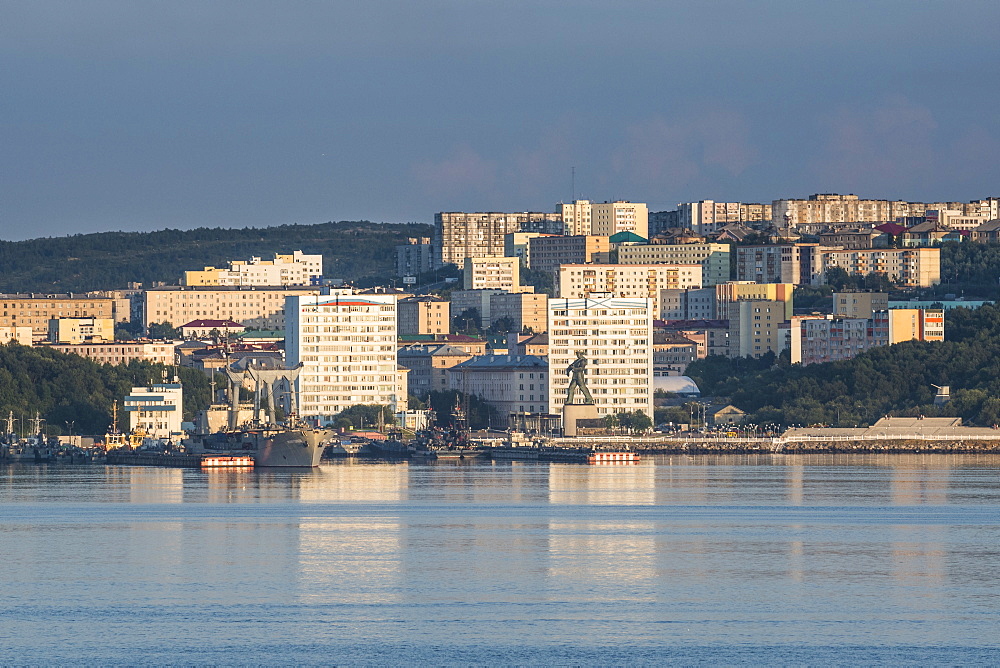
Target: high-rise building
<point>460,235</point>
<point>714,258</point>
<point>415,257</point>
<point>627,280</point>
<point>583,217</point>
<point>615,334</point>
<point>523,310</point>
<point>709,216</point>
<point>755,327</point>
<point>735,291</point>
<point>800,264</point>
<point>547,253</point>
<point>346,344</point>
<point>493,273</point>
<point>426,314</point>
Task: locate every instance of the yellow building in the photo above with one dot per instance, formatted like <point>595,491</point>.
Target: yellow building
<point>492,273</point>
<point>21,335</point>
<point>914,324</point>
<point>35,311</point>
<point>525,310</point>
<point>910,267</point>
<point>736,291</point>
<point>81,330</point>
<point>253,307</point>
<point>122,352</point>
<point>426,314</point>
<point>296,268</point>
<point>755,327</point>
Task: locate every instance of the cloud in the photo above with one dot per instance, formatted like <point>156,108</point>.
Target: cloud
<point>674,153</point>
<point>888,145</point>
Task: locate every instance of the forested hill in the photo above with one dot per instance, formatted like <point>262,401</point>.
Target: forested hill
<point>362,252</point>
<point>895,380</point>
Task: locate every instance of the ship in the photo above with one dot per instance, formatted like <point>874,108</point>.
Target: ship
<point>291,443</point>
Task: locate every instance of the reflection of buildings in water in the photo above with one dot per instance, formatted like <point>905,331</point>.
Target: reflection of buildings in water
<point>627,484</point>
<point>920,479</point>
<point>478,481</point>
<point>796,556</point>
<point>590,555</point>
<point>796,474</point>
<point>151,484</point>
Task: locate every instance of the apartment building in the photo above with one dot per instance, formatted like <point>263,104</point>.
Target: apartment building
<point>672,352</point>
<point>816,339</point>
<point>122,352</point>
<point>296,268</point>
<point>710,336</point>
<point>583,217</point>
<point>251,306</point>
<point>615,334</point>
<point>755,327</point>
<point>547,253</point>
<point>859,304</point>
<point>736,291</point>
<point>427,314</point>
<point>21,335</point>
<point>517,244</point>
<point>687,304</point>
<point>800,264</point>
<point>524,310</point>
<point>36,310</point>
<point>463,301</point>
<point>415,257</point>
<point>910,267</point>
<point>81,330</point>
<point>713,258</point>
<point>509,383</point>
<point>460,235</point>
<point>346,344</point>
<point>493,273</point>
<point>156,409</point>
<point>709,216</point>
<point>428,364</point>
<point>852,239</point>
<point>627,280</point>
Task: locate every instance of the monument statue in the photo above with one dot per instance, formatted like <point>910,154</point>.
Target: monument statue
<point>577,371</point>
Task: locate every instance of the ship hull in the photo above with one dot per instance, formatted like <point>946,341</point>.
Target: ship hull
<point>296,447</point>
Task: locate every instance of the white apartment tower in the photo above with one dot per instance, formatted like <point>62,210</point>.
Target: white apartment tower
<point>347,346</point>
<point>616,336</point>
<point>583,217</point>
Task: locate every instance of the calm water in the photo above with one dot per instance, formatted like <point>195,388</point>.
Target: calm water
<point>881,559</point>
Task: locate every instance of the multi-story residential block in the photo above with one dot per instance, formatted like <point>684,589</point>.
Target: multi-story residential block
<point>346,344</point>
<point>714,258</point>
<point>815,339</point>
<point>21,335</point>
<point>528,344</point>
<point>672,352</point>
<point>711,336</point>
<point>461,235</point>
<point>156,409</point>
<point>428,364</point>
<point>508,383</point>
<point>547,253</point>
<point>470,344</point>
<point>525,311</point>
<point>296,268</point>
<point>800,264</point>
<point>910,267</point>
<point>493,273</point>
<point>955,219</point>
<point>427,314</point>
<point>123,352</point>
<point>81,330</point>
<point>583,217</point>
<point>517,244</point>
<point>755,327</point>
<point>687,304</point>
<point>464,301</point>
<point>35,311</point>
<point>859,304</point>
<point>627,280</point>
<point>987,232</point>
<point>615,334</point>
<point>853,238</point>
<point>736,291</point>
<point>709,216</point>
<point>251,306</point>
<point>415,257</point>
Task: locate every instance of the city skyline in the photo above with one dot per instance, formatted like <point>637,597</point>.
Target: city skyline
<point>142,117</point>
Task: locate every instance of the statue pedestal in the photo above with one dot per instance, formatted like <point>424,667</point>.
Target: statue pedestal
<point>574,412</point>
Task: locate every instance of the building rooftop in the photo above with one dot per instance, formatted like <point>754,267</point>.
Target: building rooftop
<point>504,362</point>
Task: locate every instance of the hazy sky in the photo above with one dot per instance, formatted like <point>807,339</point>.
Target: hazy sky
<point>145,115</point>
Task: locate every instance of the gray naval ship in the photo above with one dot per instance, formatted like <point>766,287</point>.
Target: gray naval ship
<point>290,443</point>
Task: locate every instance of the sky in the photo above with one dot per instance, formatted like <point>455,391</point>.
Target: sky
<point>151,115</point>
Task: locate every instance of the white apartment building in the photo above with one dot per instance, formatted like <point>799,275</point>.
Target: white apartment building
<point>509,383</point>
<point>156,409</point>
<point>709,216</point>
<point>713,258</point>
<point>347,346</point>
<point>296,268</point>
<point>583,217</point>
<point>616,336</point>
<point>492,273</point>
<point>627,280</point>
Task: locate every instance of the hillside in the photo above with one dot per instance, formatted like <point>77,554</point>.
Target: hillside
<point>362,252</point>
<point>888,380</point>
